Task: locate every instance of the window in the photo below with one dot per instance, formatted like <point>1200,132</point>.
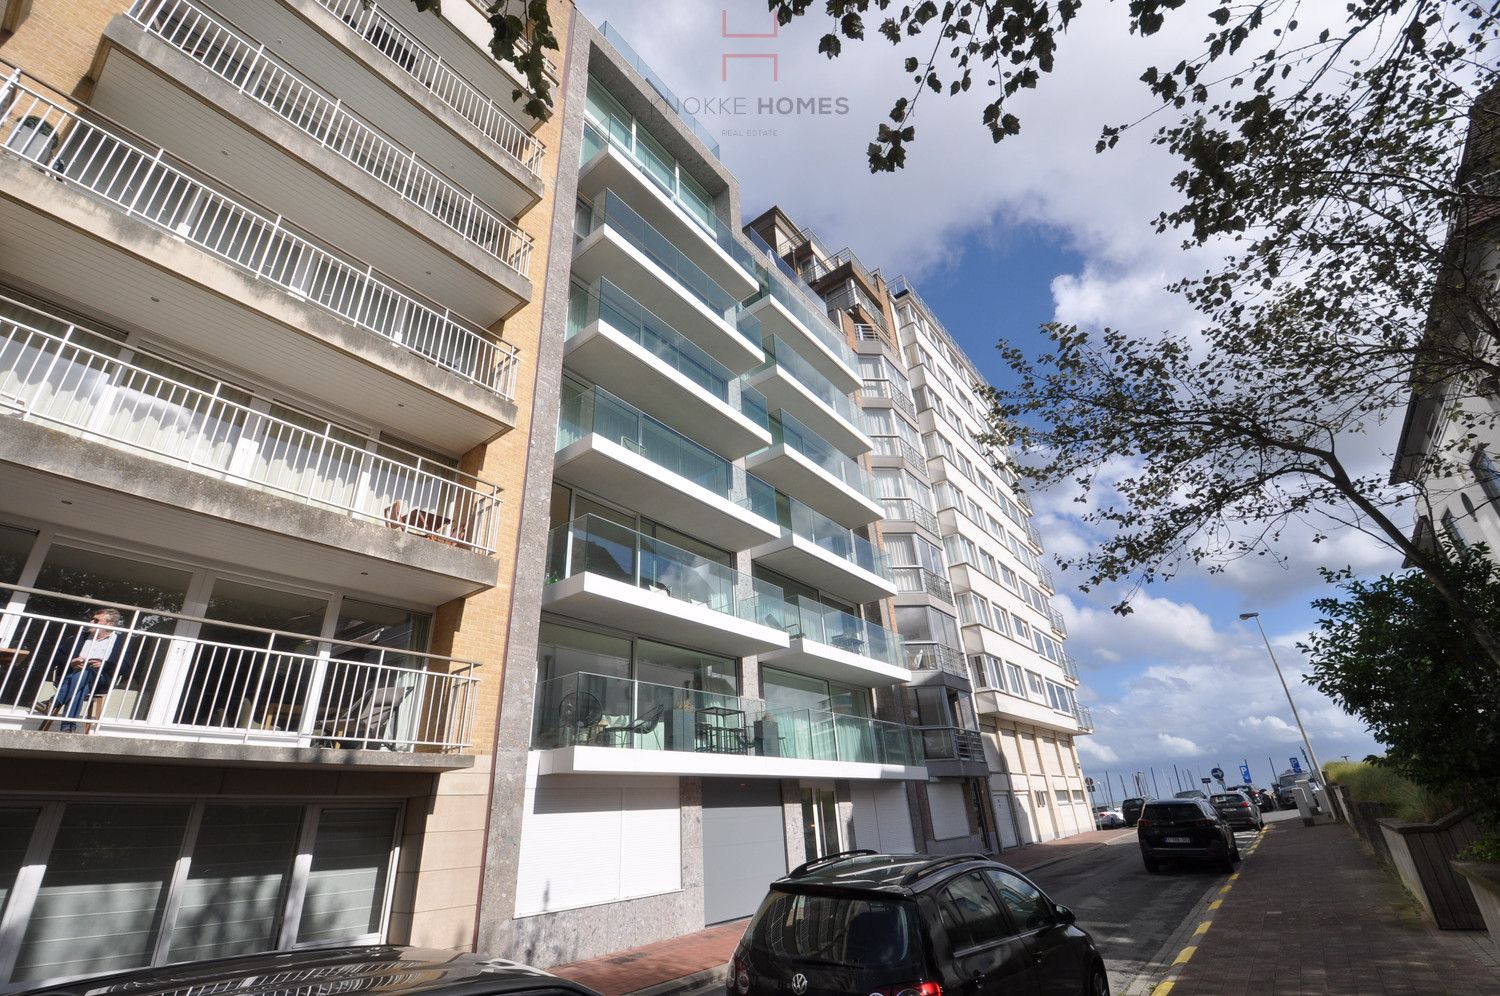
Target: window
<point>1028,908</point>
<point>1450,526</point>
<point>1023,631</point>
<point>1017,683</point>
<point>346,882</point>
<point>1486,473</point>
<point>1001,620</point>
<point>1038,688</point>
<point>971,916</point>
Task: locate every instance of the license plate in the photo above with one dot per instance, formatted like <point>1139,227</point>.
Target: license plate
<point>1179,840</point>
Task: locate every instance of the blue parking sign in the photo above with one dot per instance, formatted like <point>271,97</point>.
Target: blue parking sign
<point>1296,766</point>
<point>1245,773</point>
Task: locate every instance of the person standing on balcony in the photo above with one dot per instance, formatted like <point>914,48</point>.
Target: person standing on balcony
<point>90,670</point>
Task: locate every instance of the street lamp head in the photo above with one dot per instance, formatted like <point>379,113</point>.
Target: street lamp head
<point>1248,615</point>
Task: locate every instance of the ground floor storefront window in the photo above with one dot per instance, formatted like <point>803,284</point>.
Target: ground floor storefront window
<point>98,886</point>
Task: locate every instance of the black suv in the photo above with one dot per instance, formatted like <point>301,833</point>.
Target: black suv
<point>1131,810</point>
<point>862,923</point>
<point>1185,830</point>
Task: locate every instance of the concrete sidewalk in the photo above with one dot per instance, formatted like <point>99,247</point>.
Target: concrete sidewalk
<point>1311,911</point>
<point>688,962</point>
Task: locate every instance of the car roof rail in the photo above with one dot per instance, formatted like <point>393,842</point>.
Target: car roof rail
<point>826,859</point>
<point>942,862</point>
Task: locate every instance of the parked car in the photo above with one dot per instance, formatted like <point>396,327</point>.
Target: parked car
<point>1131,810</point>
<point>1191,794</point>
<point>1108,818</point>
<point>1239,810</point>
<point>383,969</point>
<point>1185,830</point>
<point>918,924</point>
<point>1265,800</point>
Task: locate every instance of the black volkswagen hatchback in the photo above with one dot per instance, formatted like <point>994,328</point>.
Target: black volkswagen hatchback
<point>862,923</point>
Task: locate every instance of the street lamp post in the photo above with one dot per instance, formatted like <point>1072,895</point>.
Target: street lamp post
<point>1311,756</point>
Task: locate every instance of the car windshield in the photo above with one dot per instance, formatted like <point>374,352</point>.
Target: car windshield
<point>1173,811</point>
<point>841,930</point>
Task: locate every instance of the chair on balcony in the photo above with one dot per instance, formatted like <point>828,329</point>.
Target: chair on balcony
<point>621,735</point>
<point>577,715</point>
<point>367,720</point>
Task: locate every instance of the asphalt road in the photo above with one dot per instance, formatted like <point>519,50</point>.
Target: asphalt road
<point>1139,920</point>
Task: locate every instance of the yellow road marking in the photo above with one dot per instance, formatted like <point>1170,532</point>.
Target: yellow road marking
<point>1163,988</point>
<point>1185,954</point>
<point>1216,904</point>
<point>1203,928</point>
<point>1225,889</point>
<point>1234,876</point>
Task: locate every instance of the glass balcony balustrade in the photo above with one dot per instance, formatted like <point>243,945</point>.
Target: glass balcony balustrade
<point>609,210</point>
<point>601,132</point>
<point>836,628</point>
<point>753,405</point>
<point>796,366</point>
<point>610,32</point>
<point>950,743</point>
<point>61,374</point>
<point>798,519</point>
<point>246,65</point>
<point>786,429</point>
<point>593,410</point>
<point>812,318</point>
<point>148,183</point>
<point>593,710</point>
<point>623,313</point>
<point>591,544</point>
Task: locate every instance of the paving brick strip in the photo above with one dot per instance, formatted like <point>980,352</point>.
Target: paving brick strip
<point>1311,912</point>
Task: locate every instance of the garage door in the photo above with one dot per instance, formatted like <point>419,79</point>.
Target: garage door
<point>882,819</point>
<point>744,845</point>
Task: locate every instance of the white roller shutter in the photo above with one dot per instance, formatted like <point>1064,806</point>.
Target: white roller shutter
<point>882,820</point>
<point>950,818</point>
<point>1006,820</point>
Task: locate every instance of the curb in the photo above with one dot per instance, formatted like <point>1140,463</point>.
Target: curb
<point>718,974</point>
<point>1062,857</point>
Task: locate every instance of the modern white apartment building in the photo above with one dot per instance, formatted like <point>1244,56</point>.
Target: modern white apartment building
<point>994,690</point>
<point>269,288</point>
<point>690,704</point>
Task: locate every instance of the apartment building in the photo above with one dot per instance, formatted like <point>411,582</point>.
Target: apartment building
<point>994,690</point>
<point>697,641</point>
<point>270,297</point>
<point>1449,440</point>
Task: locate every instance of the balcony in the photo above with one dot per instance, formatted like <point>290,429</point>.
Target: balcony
<point>829,643</point>
<point>952,752</point>
<point>125,229</point>
<point>936,657</point>
<point>670,99</point>
<point>432,525</point>
<point>791,383</point>
<point>616,342</point>
<point>910,510</point>
<point>601,571</point>
<point>452,112</point>
<point>921,581</point>
<point>895,446</point>
<point>250,688</point>
<point>590,723</point>
<point>1085,719</point>
<point>612,448</point>
<point>613,158</point>
<point>214,94</point>
<point>897,395</point>
<point>1059,625</point>
<point>815,549</point>
<point>792,316</point>
<point>614,241</point>
<point>801,462</point>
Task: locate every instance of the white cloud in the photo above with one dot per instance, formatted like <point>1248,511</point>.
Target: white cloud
<point>1177,746</point>
<point>1096,751</point>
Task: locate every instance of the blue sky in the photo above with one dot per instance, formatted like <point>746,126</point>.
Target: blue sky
<point>1000,239</point>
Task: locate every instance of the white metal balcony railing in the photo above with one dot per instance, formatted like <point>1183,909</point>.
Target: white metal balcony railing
<point>155,187</point>
<point>897,447</point>
<point>250,685</point>
<point>877,388</point>
<point>247,66</point>
<point>935,657</point>
<point>1085,719</point>
<point>950,743</point>
<point>910,510</point>
<point>1056,618</point>
<point>401,47</point>
<point>67,378</point>
<point>921,581</point>
<point>1070,666</point>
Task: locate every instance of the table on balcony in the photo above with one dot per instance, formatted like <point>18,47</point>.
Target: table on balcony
<point>721,730</point>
